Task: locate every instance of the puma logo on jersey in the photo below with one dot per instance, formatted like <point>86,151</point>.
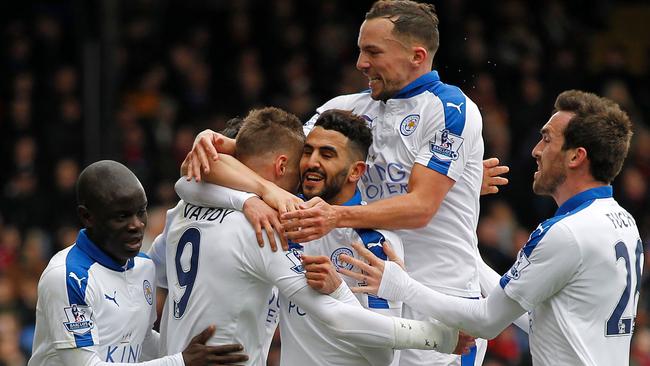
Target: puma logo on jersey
<point>372,245</point>
<point>112,298</point>
<point>74,277</point>
<point>457,106</point>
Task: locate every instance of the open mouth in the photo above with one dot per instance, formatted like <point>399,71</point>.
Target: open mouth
<point>313,177</point>
<point>134,244</point>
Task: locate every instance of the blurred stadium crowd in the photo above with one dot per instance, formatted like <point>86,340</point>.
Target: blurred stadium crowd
<point>185,66</point>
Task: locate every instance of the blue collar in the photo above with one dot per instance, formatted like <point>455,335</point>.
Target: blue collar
<point>93,251</point>
<point>582,197</point>
<point>418,85</point>
<point>355,200</point>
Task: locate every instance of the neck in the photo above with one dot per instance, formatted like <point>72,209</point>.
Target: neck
<point>569,189</point>
<point>91,235</point>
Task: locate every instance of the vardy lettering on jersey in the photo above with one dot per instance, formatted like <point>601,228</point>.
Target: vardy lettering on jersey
<point>193,212</point>
<point>621,219</point>
<point>123,353</point>
<point>383,180</point>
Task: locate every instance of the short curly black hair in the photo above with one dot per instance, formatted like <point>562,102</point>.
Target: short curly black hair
<point>354,127</point>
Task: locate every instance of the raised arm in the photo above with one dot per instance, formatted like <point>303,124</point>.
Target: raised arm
<point>230,172</point>
<point>426,190</point>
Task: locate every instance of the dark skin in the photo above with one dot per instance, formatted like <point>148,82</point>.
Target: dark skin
<point>113,209</point>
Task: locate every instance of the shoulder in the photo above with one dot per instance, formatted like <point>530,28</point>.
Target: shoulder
<point>459,111</point>
<point>553,235</point>
<point>347,101</point>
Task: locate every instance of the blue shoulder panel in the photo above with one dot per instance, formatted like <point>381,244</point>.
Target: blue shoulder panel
<point>374,241</point>
<point>536,237</point>
<point>454,107</point>
<point>77,263</point>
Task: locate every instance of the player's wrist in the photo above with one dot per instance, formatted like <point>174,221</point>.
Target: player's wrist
<point>394,282</point>
<point>340,291</point>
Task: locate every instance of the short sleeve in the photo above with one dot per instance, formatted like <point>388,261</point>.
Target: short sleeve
<point>68,309</point>
<point>452,130</point>
<point>547,262</point>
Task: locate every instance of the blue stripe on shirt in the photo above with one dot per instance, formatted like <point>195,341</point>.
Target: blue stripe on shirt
<point>572,206</point>
<point>374,241</point>
<point>77,263</point>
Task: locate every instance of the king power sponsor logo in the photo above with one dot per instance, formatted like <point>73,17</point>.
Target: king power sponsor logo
<point>384,180</point>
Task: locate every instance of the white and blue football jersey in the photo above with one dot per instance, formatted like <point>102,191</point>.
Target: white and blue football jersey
<point>86,299</point>
<point>304,340</point>
<point>435,125</point>
<point>579,277</point>
<point>216,274</point>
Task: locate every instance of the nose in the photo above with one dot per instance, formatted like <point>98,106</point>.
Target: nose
<point>362,62</point>
<point>537,150</point>
<point>137,223</point>
<point>314,161</point>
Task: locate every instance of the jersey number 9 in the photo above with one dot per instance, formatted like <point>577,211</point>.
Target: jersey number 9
<point>186,276</point>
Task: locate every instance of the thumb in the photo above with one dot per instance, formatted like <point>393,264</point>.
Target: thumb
<point>203,337</point>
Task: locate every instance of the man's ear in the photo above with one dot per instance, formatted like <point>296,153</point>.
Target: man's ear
<point>419,55</point>
<point>86,217</point>
<point>281,165</point>
<point>578,157</point>
<point>356,171</point>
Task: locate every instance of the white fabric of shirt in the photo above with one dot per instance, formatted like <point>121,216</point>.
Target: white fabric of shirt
<point>577,276</point>
<point>93,309</point>
<point>305,341</point>
<point>435,125</point>
<point>233,280</point>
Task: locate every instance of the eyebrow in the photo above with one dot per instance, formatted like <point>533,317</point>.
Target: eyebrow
<point>328,148</point>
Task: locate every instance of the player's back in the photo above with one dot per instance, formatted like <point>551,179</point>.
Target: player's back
<point>590,319</point>
<point>209,282</point>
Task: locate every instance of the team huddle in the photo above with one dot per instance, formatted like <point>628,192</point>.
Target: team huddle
<point>375,204</point>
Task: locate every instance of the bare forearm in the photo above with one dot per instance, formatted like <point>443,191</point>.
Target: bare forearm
<point>230,172</point>
<point>402,212</point>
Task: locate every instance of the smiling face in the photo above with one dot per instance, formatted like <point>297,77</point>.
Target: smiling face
<point>325,165</point>
<point>551,159</point>
<point>384,59</point>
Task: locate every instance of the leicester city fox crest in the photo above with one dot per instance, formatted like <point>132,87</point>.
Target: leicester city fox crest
<point>445,145</point>
<point>337,261</point>
<point>409,124</point>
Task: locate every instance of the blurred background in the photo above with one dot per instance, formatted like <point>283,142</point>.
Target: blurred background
<point>136,80</point>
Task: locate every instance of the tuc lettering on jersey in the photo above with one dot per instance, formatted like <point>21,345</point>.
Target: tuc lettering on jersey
<point>445,145</point>
<point>197,213</point>
<point>383,180</point>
